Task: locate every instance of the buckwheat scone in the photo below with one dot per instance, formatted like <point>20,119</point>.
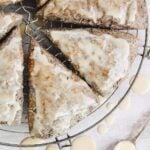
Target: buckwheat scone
<point>11,75</point>
<point>58,98</point>
<point>8,21</point>
<point>102,57</point>
<point>114,13</point>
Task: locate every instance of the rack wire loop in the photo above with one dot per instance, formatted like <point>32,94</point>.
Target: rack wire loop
<point>148,52</point>
<point>60,142</point>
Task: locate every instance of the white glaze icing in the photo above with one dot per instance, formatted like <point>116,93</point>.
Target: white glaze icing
<point>10,68</point>
<point>83,143</point>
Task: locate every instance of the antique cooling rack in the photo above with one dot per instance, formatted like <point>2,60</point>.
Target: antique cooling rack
<point>32,27</point>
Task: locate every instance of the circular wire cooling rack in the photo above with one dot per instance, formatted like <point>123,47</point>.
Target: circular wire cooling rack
<point>33,29</point>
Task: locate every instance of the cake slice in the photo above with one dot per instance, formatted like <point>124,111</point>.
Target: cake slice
<point>11,74</point>
<point>58,98</point>
<point>6,2</point>
<point>8,21</point>
<point>102,57</point>
<point>106,13</point>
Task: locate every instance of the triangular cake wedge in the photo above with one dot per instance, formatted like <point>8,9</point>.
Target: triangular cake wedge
<point>11,74</point>
<point>6,2</point>
<point>8,21</point>
<point>106,13</point>
<point>58,98</point>
<point>102,57</point>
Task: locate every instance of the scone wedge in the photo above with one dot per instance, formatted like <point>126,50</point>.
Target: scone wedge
<point>58,98</point>
<point>8,21</point>
<point>102,57</point>
<point>105,13</point>
<point>11,76</point>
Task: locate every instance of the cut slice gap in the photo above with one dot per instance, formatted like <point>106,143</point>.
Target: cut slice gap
<point>11,72</point>
<point>58,98</point>
<point>102,57</point>
<point>41,3</point>
<point>26,46</point>
<point>8,21</point>
<point>5,37</point>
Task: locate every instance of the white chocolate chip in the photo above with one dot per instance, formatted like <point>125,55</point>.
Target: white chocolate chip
<point>31,141</point>
<point>125,145</point>
<point>83,143</point>
<point>52,147</point>
<point>110,119</point>
<point>141,85</point>
<point>126,103</point>
<point>110,106</point>
<point>102,129</point>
